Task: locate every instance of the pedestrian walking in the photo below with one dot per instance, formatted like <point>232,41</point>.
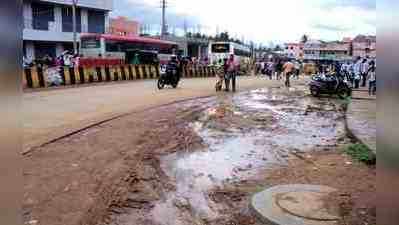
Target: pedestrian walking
<point>279,69</point>
<point>357,70</point>
<point>350,72</point>
<point>297,68</point>
<point>371,77</point>
<point>270,69</point>
<point>288,68</point>
<point>364,71</point>
<point>232,68</point>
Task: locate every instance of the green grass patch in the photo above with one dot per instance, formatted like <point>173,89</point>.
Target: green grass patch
<point>361,153</point>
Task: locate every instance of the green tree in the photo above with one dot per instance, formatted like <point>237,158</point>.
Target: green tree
<point>304,38</point>
<point>277,48</point>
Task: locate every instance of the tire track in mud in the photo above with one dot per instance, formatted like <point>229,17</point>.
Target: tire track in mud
<point>229,199</point>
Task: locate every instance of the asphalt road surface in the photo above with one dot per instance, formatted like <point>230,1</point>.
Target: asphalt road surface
<point>51,114</point>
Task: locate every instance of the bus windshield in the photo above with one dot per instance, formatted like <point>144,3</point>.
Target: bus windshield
<point>90,43</point>
<point>220,48</point>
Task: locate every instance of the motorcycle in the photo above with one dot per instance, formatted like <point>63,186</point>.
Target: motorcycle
<point>168,76</point>
<point>332,84</point>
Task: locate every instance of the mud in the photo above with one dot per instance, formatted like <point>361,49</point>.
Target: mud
<point>242,137</point>
<point>195,162</point>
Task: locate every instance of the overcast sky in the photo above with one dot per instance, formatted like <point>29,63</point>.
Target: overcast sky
<point>259,20</point>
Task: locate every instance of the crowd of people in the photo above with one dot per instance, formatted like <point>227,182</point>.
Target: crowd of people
<point>65,59</point>
<point>275,68</point>
<point>278,68</point>
<point>361,73</point>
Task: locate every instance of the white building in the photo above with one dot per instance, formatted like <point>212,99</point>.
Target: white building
<point>48,24</point>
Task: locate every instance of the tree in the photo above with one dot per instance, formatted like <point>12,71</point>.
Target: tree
<point>304,38</point>
<point>277,48</point>
<point>224,36</point>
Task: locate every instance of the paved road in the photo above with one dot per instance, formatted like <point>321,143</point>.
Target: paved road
<point>54,113</point>
<point>362,118</point>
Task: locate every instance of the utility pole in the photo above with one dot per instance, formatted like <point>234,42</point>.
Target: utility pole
<point>75,44</point>
<point>185,27</point>
<point>164,28</point>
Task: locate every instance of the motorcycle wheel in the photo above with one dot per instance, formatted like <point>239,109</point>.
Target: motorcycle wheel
<point>314,92</point>
<point>161,84</point>
<point>175,83</point>
<point>343,92</point>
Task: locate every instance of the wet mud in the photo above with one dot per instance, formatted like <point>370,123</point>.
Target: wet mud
<point>242,137</point>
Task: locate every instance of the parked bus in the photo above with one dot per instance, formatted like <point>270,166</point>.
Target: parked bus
<point>222,50</point>
<point>148,50</point>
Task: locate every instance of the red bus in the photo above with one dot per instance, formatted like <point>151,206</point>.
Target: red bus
<point>127,48</point>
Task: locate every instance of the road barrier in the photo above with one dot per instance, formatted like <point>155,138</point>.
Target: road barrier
<point>37,77</point>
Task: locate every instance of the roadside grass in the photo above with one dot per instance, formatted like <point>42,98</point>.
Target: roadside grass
<point>361,153</point>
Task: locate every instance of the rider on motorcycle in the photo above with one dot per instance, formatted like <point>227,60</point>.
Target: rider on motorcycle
<point>174,65</point>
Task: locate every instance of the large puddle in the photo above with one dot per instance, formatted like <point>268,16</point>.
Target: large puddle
<point>244,134</point>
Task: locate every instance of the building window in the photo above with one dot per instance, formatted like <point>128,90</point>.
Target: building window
<point>42,14</point>
<point>96,21</point>
<point>67,22</point>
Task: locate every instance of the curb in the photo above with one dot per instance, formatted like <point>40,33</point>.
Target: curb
<point>352,135</point>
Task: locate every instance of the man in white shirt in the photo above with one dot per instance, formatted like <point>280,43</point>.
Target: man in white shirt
<point>364,70</point>
<point>357,70</point>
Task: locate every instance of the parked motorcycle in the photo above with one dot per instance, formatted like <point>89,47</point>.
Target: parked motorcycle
<point>168,76</point>
<point>331,84</point>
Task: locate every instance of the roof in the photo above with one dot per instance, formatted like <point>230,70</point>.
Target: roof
<point>295,44</point>
<point>129,38</point>
<point>364,38</point>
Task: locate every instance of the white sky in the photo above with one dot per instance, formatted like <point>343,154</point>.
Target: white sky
<point>270,20</point>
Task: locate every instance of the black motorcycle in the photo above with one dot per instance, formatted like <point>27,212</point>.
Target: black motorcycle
<point>168,76</point>
<point>332,84</point>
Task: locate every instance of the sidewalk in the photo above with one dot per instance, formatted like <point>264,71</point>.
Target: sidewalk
<point>361,118</point>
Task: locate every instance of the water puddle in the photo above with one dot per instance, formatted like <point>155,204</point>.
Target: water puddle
<point>244,133</point>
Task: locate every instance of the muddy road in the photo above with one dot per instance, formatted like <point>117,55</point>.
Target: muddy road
<point>243,136</point>
<point>190,163</point>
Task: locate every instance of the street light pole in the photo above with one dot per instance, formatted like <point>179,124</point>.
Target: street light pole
<point>75,44</point>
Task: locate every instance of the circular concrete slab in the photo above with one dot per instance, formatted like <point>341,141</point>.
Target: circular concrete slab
<point>306,204</point>
<point>294,205</point>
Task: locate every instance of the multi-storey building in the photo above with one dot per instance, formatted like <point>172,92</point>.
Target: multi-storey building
<point>294,50</point>
<point>123,26</point>
<point>48,24</point>
<point>364,46</point>
<point>335,50</point>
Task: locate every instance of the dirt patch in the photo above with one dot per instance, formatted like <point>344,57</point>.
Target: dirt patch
<point>79,179</point>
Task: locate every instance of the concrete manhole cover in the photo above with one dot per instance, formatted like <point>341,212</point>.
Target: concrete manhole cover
<point>306,204</point>
<point>295,205</point>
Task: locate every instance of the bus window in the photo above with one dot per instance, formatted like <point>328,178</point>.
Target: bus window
<point>112,46</point>
<point>240,52</point>
<point>90,43</point>
<point>220,48</point>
